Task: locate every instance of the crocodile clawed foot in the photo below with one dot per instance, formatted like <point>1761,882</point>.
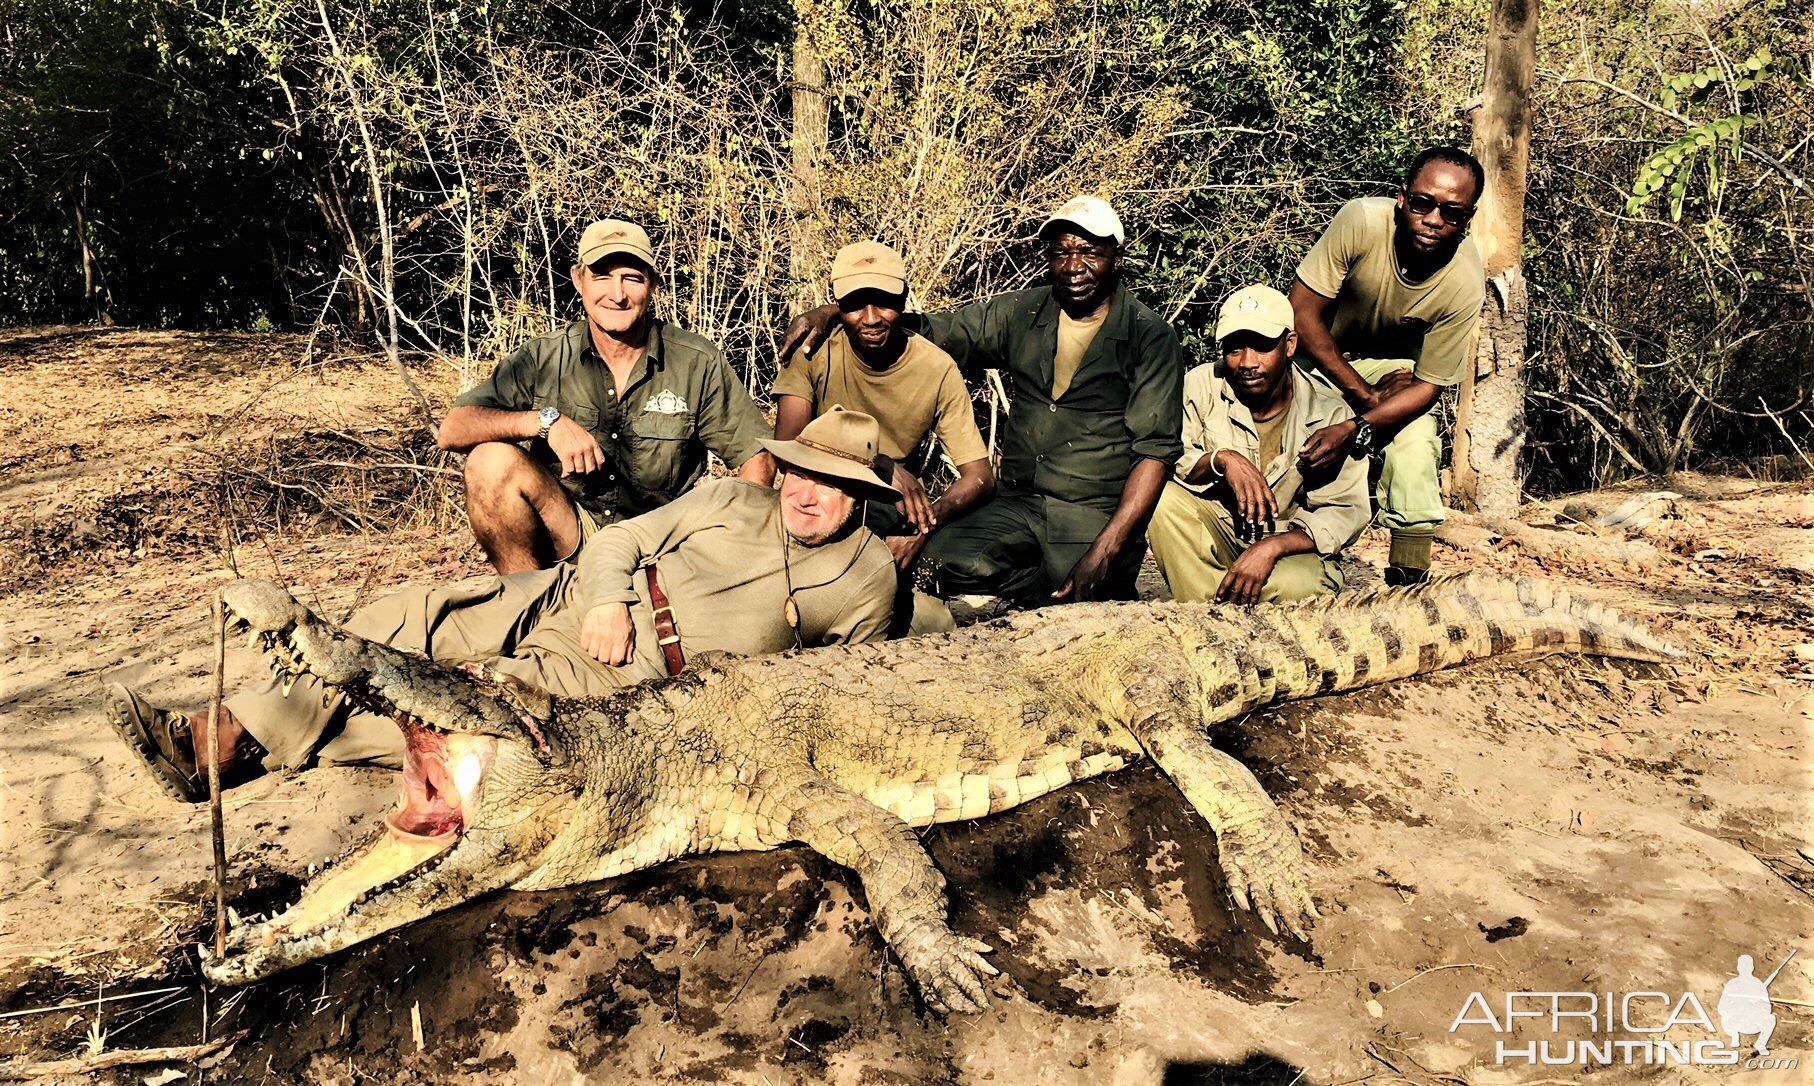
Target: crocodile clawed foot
<point>948,968</point>
<point>1264,866</point>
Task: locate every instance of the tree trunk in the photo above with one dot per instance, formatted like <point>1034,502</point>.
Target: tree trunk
<point>94,280</point>
<point>1489,425</point>
<point>812,131</point>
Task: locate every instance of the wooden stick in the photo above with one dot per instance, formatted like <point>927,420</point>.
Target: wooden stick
<point>128,1057</point>
<point>78,1004</point>
<point>212,743</point>
<point>1785,432</point>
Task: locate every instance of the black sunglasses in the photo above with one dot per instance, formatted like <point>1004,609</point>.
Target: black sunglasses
<point>1453,214</point>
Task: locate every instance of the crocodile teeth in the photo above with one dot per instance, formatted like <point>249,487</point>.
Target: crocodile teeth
<point>252,640</point>
<point>288,684</point>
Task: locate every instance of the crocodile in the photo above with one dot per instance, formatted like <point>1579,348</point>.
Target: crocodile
<point>849,749</point>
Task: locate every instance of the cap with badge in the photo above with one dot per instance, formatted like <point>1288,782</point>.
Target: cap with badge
<point>1257,308</point>
<point>841,445</point>
<point>615,237</point>
<point>867,265</point>
<point>1092,215</point>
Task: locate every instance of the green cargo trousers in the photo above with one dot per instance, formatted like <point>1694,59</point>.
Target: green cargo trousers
<point>519,625</point>
<point>1022,547</point>
<point>1194,542</point>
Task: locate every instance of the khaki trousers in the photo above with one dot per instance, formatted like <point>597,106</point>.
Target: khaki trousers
<point>1194,543</point>
<point>518,625</point>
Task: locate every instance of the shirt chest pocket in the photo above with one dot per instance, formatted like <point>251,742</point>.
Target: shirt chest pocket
<point>662,426</point>
<point>585,416</point>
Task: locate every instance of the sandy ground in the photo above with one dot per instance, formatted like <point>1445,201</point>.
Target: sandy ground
<point>1562,826</point>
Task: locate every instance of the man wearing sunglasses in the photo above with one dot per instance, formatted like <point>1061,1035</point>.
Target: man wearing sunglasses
<point>1386,305</point>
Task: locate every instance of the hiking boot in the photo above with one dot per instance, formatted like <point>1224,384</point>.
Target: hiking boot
<point>165,740</point>
<point>1398,576</point>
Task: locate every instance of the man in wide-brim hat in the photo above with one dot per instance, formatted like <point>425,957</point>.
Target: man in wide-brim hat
<point>730,566</point>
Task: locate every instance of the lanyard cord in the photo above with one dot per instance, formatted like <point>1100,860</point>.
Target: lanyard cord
<point>790,609</point>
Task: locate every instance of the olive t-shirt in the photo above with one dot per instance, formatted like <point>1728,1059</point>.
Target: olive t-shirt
<point>1272,435</point>
<point>921,392</point>
<point>1074,338</point>
<point>1381,314</point>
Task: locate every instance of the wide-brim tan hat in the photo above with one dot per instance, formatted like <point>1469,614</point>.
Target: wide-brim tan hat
<point>615,237</point>
<point>841,445</point>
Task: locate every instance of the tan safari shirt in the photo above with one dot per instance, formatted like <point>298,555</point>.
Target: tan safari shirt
<point>1381,314</point>
<point>922,392</point>
<point>681,400</point>
<point>1332,506</point>
<point>719,554</point>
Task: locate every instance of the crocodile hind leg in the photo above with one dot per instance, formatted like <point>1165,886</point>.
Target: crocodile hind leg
<point>1260,855</point>
<point>906,892</point>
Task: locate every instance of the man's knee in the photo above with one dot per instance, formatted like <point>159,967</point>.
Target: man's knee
<point>496,468</point>
<point>1299,577</point>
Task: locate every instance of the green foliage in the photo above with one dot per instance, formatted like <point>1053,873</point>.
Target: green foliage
<point>1671,169</point>
<point>247,169</point>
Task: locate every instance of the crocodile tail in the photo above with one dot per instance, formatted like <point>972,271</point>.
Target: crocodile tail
<point>1340,643</point>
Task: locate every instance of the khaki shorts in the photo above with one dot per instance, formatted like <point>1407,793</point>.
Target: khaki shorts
<point>588,527</point>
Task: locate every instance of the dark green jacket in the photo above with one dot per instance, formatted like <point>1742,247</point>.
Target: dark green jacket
<point>682,399</point>
<point>1125,403</point>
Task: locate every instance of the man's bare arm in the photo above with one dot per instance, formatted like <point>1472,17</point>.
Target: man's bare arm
<point>792,413</point>
<point>1409,399</point>
<point>469,426</point>
<point>465,427</point>
<point>975,484</point>
<point>758,469</point>
<point>1310,311</point>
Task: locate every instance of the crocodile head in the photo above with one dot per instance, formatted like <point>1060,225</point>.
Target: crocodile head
<point>486,789</point>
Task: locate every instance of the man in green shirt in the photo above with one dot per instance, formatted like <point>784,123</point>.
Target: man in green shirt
<point>1243,521</point>
<point>743,568</point>
<point>1386,304</point>
<point>1095,390</point>
<point>618,410</point>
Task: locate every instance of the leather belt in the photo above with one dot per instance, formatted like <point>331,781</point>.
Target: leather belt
<point>666,633</point>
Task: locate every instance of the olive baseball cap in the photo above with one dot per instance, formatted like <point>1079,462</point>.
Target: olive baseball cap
<point>1255,308</point>
<point>612,237</point>
<point>867,265</point>
<point>1092,215</point>
<point>841,445</point>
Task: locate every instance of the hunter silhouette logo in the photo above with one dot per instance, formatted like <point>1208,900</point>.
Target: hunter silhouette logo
<point>1744,1004</point>
<point>1628,1028</point>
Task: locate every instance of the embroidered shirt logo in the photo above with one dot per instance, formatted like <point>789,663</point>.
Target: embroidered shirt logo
<point>666,403</point>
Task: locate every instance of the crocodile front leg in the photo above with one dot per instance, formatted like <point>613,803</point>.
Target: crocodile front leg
<point>906,892</point>
<point>1260,855</point>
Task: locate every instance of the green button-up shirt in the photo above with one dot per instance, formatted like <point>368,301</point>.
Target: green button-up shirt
<point>1124,403</point>
<point>681,400</point>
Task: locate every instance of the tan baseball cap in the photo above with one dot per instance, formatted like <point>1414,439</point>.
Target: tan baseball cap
<point>610,237</point>
<point>841,444</point>
<point>1092,215</point>
<point>867,265</point>
<point>1255,308</point>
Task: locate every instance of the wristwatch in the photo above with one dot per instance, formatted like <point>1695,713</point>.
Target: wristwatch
<point>549,416</point>
<point>1363,438</point>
